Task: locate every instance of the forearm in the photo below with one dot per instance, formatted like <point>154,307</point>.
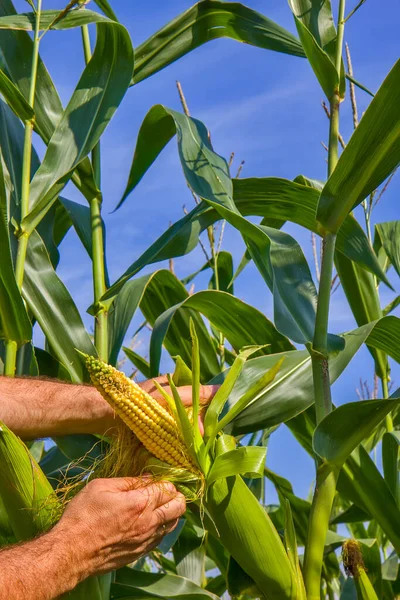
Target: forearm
<point>41,569</point>
<point>34,408</point>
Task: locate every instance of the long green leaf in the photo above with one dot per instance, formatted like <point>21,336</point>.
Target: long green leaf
<point>359,481</point>
<point>319,60</point>
<point>247,460</point>
<point>209,20</point>
<point>277,256</point>
<point>132,583</point>
<point>291,391</point>
<point>267,197</point>
<point>389,234</point>
<point>14,321</point>
<point>15,99</point>
<point>371,154</point>
<point>55,311</point>
<point>250,537</point>
<point>317,18</point>
<point>240,323</point>
<point>346,427</point>
<point>190,554</point>
<point>363,298</point>
<point>73,18</point>
<point>164,291</point>
<point>390,461</point>
<point>106,76</point>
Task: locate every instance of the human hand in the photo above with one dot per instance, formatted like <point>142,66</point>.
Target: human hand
<point>113,522</point>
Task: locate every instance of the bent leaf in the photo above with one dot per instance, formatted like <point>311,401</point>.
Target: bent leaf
<point>248,461</point>
<point>210,20</point>
<point>241,324</point>
<point>107,77</point>
<point>55,311</point>
<point>340,432</point>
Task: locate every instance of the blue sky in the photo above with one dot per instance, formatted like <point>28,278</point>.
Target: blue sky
<point>265,107</point>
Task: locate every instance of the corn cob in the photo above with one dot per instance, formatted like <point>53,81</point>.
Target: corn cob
<point>150,422</point>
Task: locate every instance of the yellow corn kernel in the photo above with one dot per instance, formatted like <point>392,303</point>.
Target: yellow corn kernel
<point>151,423</point>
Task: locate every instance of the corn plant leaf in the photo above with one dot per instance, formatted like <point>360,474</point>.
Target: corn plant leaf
<point>291,549</point>
<point>171,538</point>
<point>12,143</point>
<point>389,234</point>
<point>71,19</point>
<point>340,432</point>
<point>391,306</point>
<point>277,256</point>
<point>349,591</point>
<point>279,198</point>
<point>297,201</point>
<point>14,321</point>
<point>319,60</point>
<point>224,271</point>
<point>79,215</point>
<point>80,218</point>
<point>256,389</point>
<point>390,461</point>
<point>15,99</point>
<point>105,7</point>
<point>26,494</point>
<point>241,324</point>
<point>291,391</point>
<point>209,20</point>
<point>247,460</point>
<point>139,362</point>
<point>107,75</point>
<point>317,18</point>
<point>130,583</point>
<point>190,554</point>
<point>363,298</point>
<point>365,589</point>
<point>16,51</point>
<point>240,531</point>
<point>361,476</point>
<point>155,293</point>
<point>55,311</point>
<point>218,401</point>
<point>390,567</point>
<point>370,156</point>
<point>359,481</point>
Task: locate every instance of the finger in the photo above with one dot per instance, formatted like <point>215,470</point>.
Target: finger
<point>159,493</point>
<point>149,387</point>
<point>207,393</point>
<point>170,511</point>
<point>166,528</point>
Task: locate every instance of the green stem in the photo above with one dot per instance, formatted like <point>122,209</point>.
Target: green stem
<point>98,262</point>
<point>385,393</point>
<point>11,346</point>
<point>324,494</point>
<point>10,358</point>
<point>99,280</point>
<point>319,358</point>
<point>326,480</point>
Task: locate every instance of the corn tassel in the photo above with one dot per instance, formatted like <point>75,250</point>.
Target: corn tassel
<point>150,422</point>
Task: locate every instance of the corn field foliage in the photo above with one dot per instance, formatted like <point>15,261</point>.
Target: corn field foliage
<point>276,371</point>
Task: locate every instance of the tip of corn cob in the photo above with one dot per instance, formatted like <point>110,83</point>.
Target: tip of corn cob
<point>155,427</point>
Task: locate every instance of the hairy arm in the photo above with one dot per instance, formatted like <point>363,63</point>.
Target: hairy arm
<point>34,408</point>
<point>40,569</point>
